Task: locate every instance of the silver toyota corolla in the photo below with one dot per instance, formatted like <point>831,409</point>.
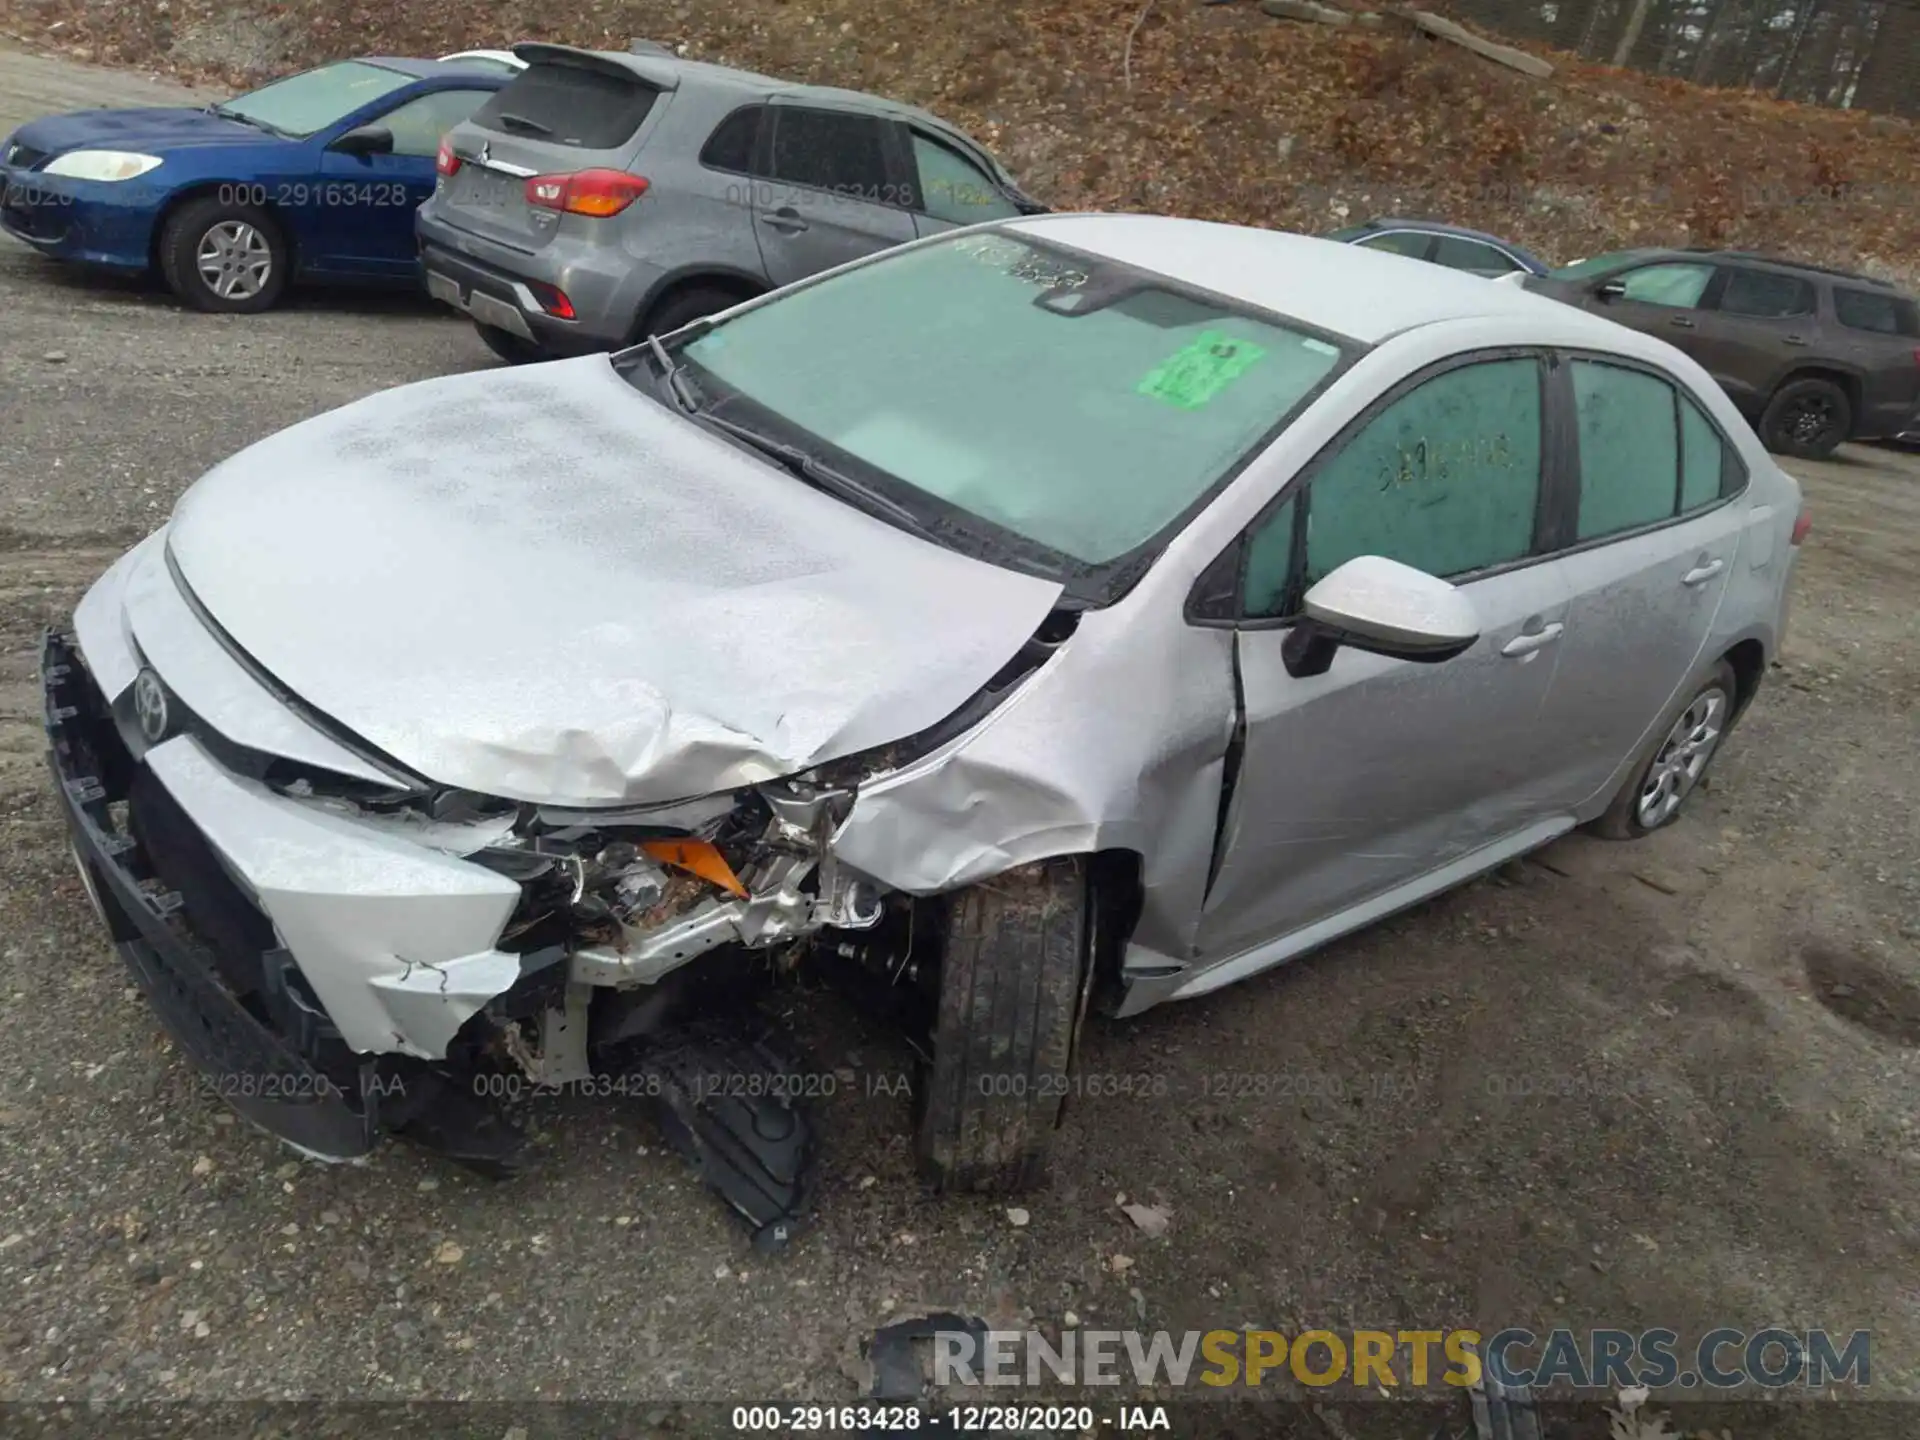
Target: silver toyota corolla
<point>1062,615</point>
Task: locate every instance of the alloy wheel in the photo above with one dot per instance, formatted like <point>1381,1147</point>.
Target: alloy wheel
<point>1683,758</point>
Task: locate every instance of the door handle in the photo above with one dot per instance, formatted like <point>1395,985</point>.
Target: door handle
<point>1793,339</point>
<point>1533,640</point>
<point>1681,322</point>
<point>1700,574</point>
<point>786,219</point>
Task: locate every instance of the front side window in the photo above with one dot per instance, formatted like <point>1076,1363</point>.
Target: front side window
<point>1457,253</point>
<point>954,189</point>
<point>418,125</point>
<point>1593,266</point>
<point>1765,295</point>
<point>1076,404</point>
<point>1446,479</point>
<point>830,150</point>
<point>1678,286</point>
<point>305,104</point>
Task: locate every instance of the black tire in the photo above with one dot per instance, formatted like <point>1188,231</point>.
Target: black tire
<point>1807,418</point>
<point>509,347</point>
<point>188,227</point>
<point>1625,818</point>
<point>989,1102</point>
<point>684,308</point>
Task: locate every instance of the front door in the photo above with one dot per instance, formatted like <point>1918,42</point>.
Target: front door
<point>1352,782</point>
<point>363,204</point>
<point>836,194</point>
<point>1663,300</point>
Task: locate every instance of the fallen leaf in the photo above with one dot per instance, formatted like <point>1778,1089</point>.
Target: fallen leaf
<point>1152,1220</point>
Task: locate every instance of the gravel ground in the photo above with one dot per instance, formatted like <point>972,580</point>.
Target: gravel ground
<point>1716,1031</point>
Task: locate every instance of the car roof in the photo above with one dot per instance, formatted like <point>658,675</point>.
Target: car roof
<point>1348,290</point>
<point>669,72</point>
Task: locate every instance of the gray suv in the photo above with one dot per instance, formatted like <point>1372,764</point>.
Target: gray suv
<point>603,197</point>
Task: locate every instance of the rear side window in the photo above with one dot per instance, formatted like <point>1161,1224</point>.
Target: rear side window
<point>735,142</point>
<point>1457,253</point>
<point>1703,458</point>
<point>1883,314</point>
<point>830,150</point>
<point>1766,296</point>
<point>1410,243</point>
<point>569,105</point>
<point>1629,449</point>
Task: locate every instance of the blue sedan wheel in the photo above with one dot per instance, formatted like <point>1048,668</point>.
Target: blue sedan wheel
<point>223,257</point>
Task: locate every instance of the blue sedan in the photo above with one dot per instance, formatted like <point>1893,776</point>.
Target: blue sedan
<point>314,177</point>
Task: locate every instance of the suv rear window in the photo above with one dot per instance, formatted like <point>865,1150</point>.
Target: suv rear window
<point>1883,314</point>
<point>569,105</point>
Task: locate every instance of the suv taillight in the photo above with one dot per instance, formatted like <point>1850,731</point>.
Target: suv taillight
<point>446,162</point>
<point>599,193</point>
<point>1801,525</point>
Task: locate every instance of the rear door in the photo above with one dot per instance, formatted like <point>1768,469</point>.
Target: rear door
<point>1753,325</point>
<point>560,115</point>
<point>1650,548</point>
<point>364,221</point>
<point>839,190</point>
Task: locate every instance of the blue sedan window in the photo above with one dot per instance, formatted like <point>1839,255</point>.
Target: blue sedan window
<point>304,104</point>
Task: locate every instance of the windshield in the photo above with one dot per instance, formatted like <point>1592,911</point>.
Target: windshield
<point>305,104</point>
<point>1595,265</point>
<point>1080,406</point>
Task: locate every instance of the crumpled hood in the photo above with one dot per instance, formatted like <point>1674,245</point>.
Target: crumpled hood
<point>542,584</point>
<point>150,132</point>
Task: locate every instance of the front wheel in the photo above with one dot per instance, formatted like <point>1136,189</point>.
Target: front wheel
<point>225,258</point>
<point>1676,763</point>
<point>1807,419</point>
<point>1010,980</point>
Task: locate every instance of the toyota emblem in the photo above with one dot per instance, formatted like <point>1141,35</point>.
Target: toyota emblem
<point>150,706</point>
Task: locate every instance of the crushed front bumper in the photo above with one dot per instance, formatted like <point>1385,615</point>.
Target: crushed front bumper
<point>326,1111</point>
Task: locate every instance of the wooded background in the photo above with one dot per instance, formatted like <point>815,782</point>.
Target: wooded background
<point>1858,54</point>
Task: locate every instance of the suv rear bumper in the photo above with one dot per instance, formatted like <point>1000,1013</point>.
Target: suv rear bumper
<point>607,287</point>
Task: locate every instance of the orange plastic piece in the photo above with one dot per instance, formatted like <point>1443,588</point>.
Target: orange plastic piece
<point>697,857</point>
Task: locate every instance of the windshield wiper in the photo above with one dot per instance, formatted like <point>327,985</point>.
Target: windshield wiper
<point>524,125</point>
<point>678,384</point>
<point>225,114</point>
<point>822,476</point>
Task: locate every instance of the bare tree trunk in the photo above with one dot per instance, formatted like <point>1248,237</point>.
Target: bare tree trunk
<point>1703,60</point>
<point>1808,9</point>
<point>1630,37</point>
<point>1890,79</point>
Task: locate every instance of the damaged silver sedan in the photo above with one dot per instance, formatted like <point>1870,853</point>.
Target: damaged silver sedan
<point>1056,617</point>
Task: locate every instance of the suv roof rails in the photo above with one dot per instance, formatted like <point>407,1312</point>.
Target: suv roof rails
<point>1784,264</point>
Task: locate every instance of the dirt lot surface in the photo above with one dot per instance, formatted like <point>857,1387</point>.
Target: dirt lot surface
<point>1660,1084</point>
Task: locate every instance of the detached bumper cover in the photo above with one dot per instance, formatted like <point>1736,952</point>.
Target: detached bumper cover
<point>246,1061</point>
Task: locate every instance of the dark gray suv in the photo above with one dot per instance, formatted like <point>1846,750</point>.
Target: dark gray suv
<point>602,197</point>
<point>1811,356</point>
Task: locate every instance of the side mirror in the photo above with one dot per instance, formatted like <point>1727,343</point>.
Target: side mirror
<point>367,140</point>
<point>1610,290</point>
<point>1385,608</point>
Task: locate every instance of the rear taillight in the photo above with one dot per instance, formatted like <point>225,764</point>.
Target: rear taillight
<point>446,162</point>
<point>1801,526</point>
<point>598,193</point>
